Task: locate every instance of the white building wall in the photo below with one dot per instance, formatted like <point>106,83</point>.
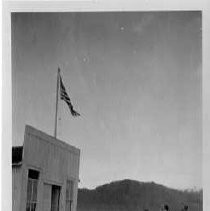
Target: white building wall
<point>16,187</point>
<point>55,160</point>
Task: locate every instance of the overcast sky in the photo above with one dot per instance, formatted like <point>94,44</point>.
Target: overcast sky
<point>134,77</point>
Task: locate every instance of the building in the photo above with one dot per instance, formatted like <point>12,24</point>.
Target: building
<point>45,174</point>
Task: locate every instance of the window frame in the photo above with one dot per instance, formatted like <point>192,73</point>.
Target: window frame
<point>31,195</point>
<point>69,200</point>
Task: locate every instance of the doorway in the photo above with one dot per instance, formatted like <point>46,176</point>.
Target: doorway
<point>55,198</point>
<point>51,199</point>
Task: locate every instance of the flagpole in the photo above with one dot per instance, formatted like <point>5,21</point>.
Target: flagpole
<point>56,108</point>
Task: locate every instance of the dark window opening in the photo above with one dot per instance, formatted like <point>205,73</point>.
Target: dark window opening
<point>33,174</point>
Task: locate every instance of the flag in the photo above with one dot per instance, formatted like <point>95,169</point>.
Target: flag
<point>64,96</point>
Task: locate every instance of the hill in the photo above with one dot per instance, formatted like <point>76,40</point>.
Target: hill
<point>130,195</point>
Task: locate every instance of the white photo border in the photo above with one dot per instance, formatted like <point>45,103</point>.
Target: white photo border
<point>97,5</point>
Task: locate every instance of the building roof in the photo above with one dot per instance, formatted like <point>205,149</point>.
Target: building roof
<point>17,154</point>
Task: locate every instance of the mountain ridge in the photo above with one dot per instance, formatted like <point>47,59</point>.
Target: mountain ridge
<point>132,195</point>
<point>195,189</point>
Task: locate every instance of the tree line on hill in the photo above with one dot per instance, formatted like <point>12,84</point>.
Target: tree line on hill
<point>130,195</point>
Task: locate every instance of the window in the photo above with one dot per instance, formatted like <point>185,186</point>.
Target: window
<point>69,194</point>
<point>32,190</point>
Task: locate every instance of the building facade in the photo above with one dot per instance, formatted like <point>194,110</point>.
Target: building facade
<point>45,174</point>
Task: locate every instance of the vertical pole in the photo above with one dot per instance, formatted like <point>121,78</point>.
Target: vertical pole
<point>56,108</point>
<point>70,204</point>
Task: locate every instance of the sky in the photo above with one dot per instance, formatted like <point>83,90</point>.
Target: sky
<point>135,78</point>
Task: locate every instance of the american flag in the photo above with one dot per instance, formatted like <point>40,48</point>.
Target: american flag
<point>64,96</point>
